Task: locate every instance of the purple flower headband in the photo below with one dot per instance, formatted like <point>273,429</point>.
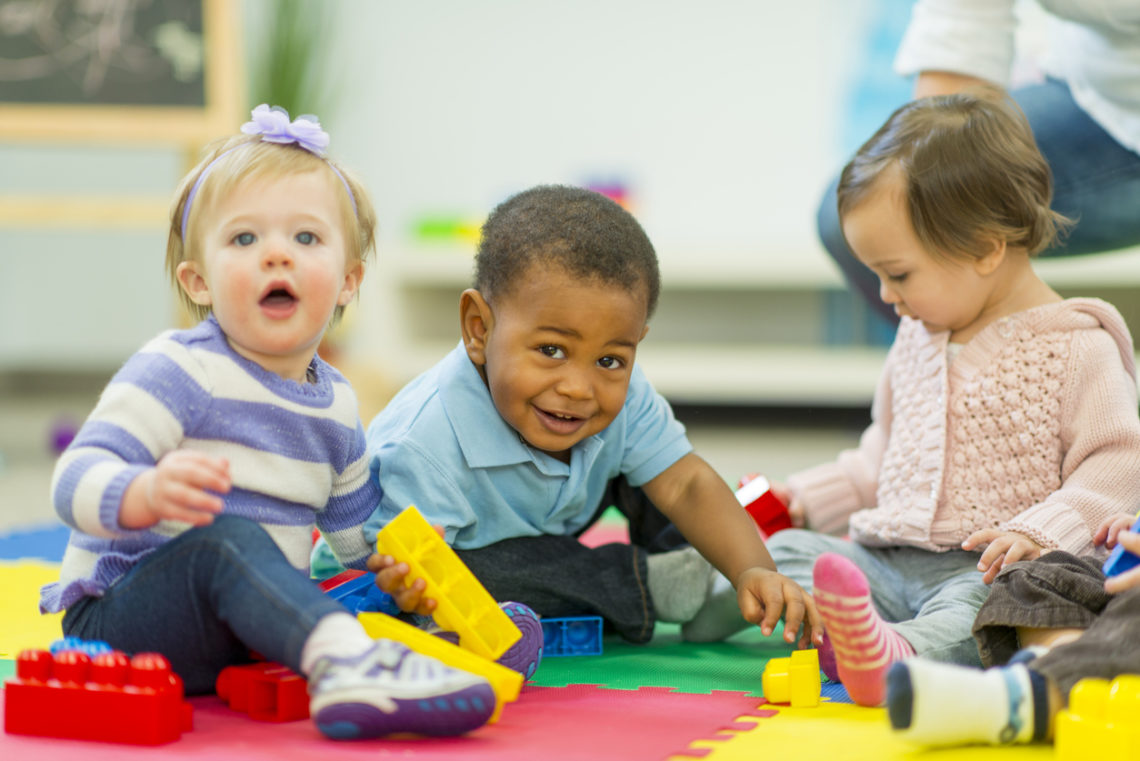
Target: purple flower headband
<point>273,125</point>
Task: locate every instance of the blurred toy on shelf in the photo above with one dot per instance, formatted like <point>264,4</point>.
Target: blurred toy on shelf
<point>112,698</point>
<point>61,434</point>
<point>794,680</point>
<point>766,509</point>
<point>572,635</point>
<point>266,691</point>
<point>1100,721</point>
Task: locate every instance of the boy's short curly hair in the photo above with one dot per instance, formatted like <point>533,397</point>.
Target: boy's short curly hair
<point>583,232</point>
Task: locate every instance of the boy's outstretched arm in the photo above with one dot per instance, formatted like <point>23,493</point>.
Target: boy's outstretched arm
<point>703,507</point>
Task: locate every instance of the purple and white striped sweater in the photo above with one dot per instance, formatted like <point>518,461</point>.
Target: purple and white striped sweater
<point>297,456</point>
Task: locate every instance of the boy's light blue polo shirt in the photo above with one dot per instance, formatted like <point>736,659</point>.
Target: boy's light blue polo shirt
<point>441,445</point>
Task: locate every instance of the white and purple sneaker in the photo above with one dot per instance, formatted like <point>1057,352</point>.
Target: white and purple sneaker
<point>523,656</point>
<point>390,689</point>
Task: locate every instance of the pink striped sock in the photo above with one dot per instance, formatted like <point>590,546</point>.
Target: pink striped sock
<point>865,647</point>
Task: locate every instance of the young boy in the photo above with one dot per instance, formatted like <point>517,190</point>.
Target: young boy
<point>518,439</point>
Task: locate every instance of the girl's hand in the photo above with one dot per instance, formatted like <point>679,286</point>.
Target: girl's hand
<point>1003,548</point>
<point>1108,531</point>
<point>795,507</point>
<point>183,486</point>
<point>1130,579</point>
<point>764,595</point>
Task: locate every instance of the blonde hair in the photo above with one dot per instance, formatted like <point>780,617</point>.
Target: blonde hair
<point>972,171</point>
<point>258,159</point>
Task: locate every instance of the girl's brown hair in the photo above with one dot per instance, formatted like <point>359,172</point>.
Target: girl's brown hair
<point>972,171</point>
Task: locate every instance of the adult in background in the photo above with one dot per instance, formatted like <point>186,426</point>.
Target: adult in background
<point>1085,115</point>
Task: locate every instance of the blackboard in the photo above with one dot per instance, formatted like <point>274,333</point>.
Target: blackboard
<point>126,69</point>
<point>137,52</point>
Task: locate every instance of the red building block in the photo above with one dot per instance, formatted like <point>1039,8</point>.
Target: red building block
<point>266,691</point>
<point>767,510</point>
<point>111,697</point>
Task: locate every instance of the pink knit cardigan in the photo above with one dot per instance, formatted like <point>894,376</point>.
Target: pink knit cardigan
<point>1033,428</point>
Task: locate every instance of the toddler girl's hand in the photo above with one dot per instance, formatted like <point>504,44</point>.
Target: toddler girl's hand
<point>1109,531</point>
<point>1003,548</point>
<point>764,595</point>
<point>795,507</point>
<point>1130,579</point>
<point>177,488</point>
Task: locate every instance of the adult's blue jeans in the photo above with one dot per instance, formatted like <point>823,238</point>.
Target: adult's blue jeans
<point>1096,181</point>
<point>204,600</point>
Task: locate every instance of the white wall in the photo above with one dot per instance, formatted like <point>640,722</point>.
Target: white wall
<point>723,118</point>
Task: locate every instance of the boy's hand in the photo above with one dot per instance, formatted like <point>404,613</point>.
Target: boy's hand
<point>177,488</point>
<point>390,577</point>
<point>763,595</point>
<point>1108,532</point>
<point>1130,579</point>
<point>1003,548</point>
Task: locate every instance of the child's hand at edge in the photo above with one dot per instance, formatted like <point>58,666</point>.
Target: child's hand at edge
<point>390,578</point>
<point>177,488</point>
<point>795,506</point>
<point>764,595</point>
<point>1110,533</point>
<point>1003,548</point>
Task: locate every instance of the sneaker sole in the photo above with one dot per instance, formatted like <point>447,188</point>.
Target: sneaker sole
<point>525,655</point>
<point>440,716</point>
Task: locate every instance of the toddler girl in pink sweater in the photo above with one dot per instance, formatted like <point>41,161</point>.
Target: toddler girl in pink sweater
<point>1005,422</point>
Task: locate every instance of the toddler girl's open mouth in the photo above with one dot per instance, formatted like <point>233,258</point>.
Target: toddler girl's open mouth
<point>278,301</point>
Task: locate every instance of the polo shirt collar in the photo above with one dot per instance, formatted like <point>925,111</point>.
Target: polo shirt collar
<point>486,440</point>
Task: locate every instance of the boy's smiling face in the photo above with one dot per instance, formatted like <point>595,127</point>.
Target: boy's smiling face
<point>556,353</point>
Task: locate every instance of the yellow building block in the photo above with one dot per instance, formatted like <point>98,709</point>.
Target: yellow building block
<point>1100,721</point>
<point>504,681</point>
<point>464,605</point>
<point>793,680</point>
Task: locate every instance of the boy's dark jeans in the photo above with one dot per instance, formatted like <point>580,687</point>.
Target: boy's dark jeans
<point>560,576</point>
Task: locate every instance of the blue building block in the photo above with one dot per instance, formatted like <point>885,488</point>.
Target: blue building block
<point>1120,559</point>
<point>89,647</point>
<point>360,594</point>
<point>573,635</point>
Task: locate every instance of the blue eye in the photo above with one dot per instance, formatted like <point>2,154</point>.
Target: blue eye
<point>245,239</point>
<point>306,238</point>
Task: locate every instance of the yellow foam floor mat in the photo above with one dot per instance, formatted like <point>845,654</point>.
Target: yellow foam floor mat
<point>838,732</point>
<point>21,625</point>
